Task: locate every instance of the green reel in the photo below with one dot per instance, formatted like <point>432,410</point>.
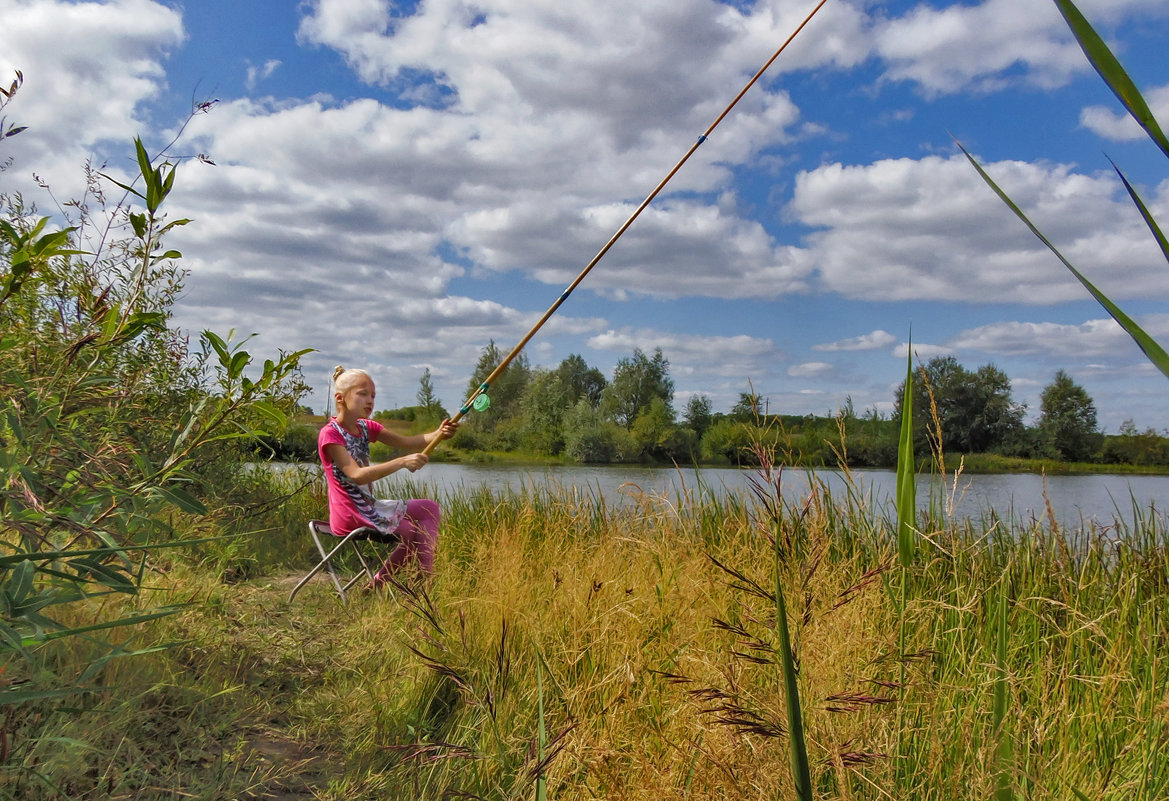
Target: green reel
<point>481,403</point>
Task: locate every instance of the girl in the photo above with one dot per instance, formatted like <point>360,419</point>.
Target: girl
<point>343,445</point>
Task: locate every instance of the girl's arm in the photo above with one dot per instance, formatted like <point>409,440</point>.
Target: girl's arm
<point>417,442</point>
<point>367,475</point>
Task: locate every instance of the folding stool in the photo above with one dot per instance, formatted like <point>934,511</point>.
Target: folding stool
<point>362,541</point>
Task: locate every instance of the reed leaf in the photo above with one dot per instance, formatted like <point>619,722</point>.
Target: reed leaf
<point>906,485</point>
<point>542,739</point>
<point>1112,72</point>
<point>1004,751</point>
<point>1155,353</point>
<point>801,770</point>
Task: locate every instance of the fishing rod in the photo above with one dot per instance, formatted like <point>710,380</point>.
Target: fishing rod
<point>478,400</point>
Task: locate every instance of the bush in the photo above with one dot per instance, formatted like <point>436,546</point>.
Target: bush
<point>730,440</point>
<point>118,433</point>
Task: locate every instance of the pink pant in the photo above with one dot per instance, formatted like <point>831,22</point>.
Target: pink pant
<point>419,533</point>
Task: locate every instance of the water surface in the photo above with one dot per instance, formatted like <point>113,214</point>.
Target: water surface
<point>1101,499</point>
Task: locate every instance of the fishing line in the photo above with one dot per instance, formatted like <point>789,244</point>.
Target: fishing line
<point>478,399</point>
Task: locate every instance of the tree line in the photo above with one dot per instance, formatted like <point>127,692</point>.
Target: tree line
<point>574,412</point>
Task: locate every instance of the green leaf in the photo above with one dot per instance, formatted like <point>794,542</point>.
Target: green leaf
<point>17,558</point>
<point>219,345</point>
<point>272,412</point>
<point>140,321</point>
<point>144,166</point>
<point>238,362</point>
<point>18,695</point>
<point>20,585</point>
<point>1155,353</point>
<point>51,243</point>
<point>170,254</point>
<point>152,198</point>
<point>542,734</point>
<point>119,623</point>
<point>36,229</point>
<point>1005,752</point>
<point>798,749</point>
<point>906,480</point>
<point>1112,72</point>
<point>182,499</point>
<point>172,224</point>
<point>103,574</point>
<point>151,176</point>
<point>138,221</point>
<point>168,182</point>
<point>121,185</point>
<point>30,606</point>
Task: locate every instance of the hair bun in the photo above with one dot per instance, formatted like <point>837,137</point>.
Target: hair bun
<point>337,371</point>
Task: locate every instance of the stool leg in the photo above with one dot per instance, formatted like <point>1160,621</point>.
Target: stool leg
<point>327,559</point>
<point>326,562</point>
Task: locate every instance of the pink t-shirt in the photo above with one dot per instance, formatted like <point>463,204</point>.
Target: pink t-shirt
<point>353,505</point>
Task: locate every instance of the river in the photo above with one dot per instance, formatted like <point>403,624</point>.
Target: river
<point>1101,499</point>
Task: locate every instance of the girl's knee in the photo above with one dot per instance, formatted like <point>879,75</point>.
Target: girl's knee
<point>424,509</point>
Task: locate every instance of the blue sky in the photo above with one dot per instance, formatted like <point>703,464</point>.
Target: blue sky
<point>396,184</point>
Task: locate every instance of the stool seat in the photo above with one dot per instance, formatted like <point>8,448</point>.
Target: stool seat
<point>363,542</point>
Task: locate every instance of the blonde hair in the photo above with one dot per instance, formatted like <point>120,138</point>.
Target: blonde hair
<point>344,378</point>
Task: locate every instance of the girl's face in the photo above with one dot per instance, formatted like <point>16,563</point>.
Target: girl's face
<point>358,398</point>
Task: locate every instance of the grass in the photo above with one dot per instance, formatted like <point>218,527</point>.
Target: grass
<point>995,463</point>
<point>642,640</point>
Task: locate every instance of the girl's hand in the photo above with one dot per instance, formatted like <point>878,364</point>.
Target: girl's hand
<point>415,461</point>
<point>447,429</point>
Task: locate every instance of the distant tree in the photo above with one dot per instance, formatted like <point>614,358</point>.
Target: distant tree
<point>580,380</point>
<point>749,406</point>
<point>1067,420</point>
<point>543,406</point>
<point>738,441</point>
<point>590,437</point>
<point>507,389</point>
<point>658,437</point>
<point>1131,446</point>
<point>699,414</point>
<point>847,410</point>
<point>995,417</point>
<point>637,381</point>
<point>426,397</point>
<point>975,411</point>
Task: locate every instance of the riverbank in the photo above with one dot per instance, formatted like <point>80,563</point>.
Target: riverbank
<point>993,463</point>
<point>642,641</point>
<point>975,463</point>
<point>826,453</point>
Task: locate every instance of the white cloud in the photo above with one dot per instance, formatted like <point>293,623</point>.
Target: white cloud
<point>87,69</point>
<point>1090,339</point>
<point>257,74</point>
<point>978,47</point>
<point>922,351</point>
<point>734,356</point>
<point>874,340</point>
<point>930,229</point>
<point>810,369</point>
<point>1116,124</point>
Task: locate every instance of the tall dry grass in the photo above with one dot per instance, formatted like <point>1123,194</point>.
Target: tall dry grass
<point>650,625</point>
